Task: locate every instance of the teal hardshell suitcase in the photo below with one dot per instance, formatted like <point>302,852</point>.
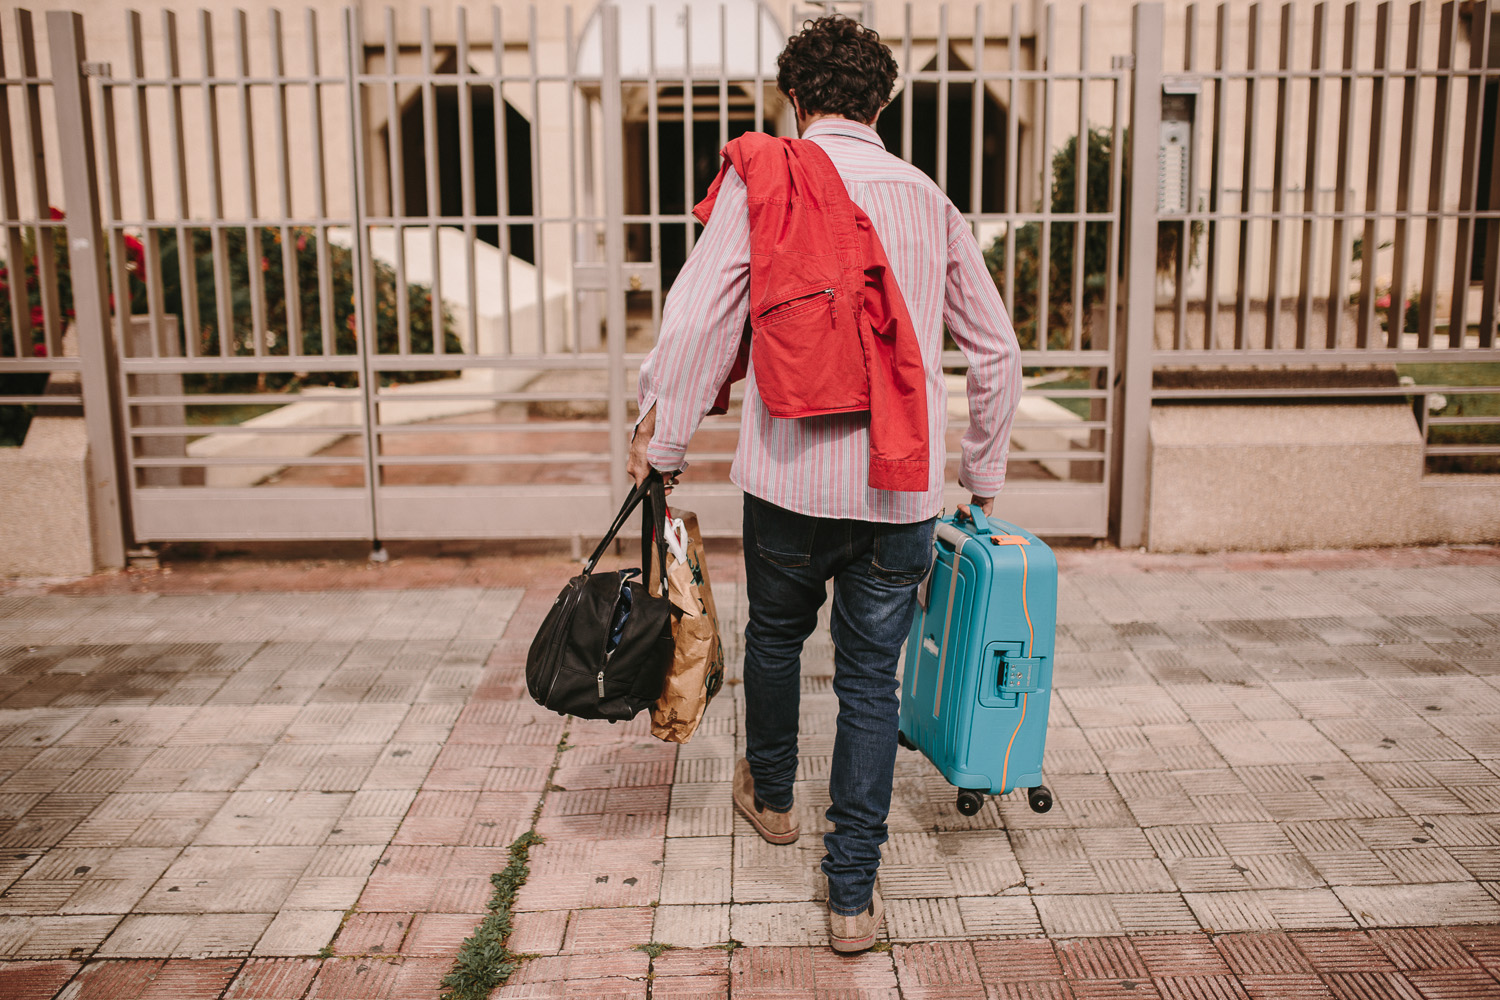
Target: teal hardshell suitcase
<point>978,673</point>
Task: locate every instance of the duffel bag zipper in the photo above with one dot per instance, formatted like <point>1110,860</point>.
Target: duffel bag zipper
<point>609,654</point>
<point>560,644</point>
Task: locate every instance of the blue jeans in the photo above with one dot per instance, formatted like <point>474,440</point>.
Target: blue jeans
<point>876,567</point>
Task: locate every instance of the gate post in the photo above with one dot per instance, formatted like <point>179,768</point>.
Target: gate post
<point>1133,399</point>
<point>613,126</point>
<point>100,376</point>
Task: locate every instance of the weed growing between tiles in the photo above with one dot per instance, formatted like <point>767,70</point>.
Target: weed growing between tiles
<point>484,962</point>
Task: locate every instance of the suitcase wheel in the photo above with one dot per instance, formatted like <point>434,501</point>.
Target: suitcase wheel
<point>1039,798</point>
<point>902,741</point>
<point>970,801</point>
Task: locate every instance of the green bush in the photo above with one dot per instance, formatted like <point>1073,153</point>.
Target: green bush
<point>1024,301</point>
<point>271,260</point>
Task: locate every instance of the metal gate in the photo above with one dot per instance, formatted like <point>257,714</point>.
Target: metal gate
<point>394,279</point>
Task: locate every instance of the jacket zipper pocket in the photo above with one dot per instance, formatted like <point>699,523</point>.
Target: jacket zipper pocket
<point>801,300</point>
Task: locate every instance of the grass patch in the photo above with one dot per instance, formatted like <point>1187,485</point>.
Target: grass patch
<point>654,949</point>
<point>1453,376</point>
<point>484,962</point>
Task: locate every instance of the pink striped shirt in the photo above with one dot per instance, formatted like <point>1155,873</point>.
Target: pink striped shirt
<point>819,465</point>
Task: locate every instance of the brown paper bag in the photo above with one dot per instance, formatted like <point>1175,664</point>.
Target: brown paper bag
<point>697,670</point>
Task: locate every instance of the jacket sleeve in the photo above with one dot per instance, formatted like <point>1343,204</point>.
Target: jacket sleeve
<point>701,324</point>
<point>981,327</point>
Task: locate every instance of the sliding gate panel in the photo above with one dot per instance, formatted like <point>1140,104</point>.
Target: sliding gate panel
<point>226,170</point>
<point>498,397</point>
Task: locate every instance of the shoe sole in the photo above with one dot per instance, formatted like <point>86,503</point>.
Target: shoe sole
<point>766,835</point>
<point>846,946</point>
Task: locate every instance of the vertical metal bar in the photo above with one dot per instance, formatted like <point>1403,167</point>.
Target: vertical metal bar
<point>466,173</point>
<point>1437,178</point>
<point>256,277</point>
<point>1080,176</point>
<point>150,235</point>
<point>1012,149</point>
<point>1490,303</point>
<point>1044,258</point>
<point>689,236</point>
<point>10,214</point>
<point>976,118</point>
<point>434,188</point>
<point>187,257</point>
<point>46,240</point>
<point>653,154</point>
<point>1117,153</point>
<point>910,95</point>
<point>1468,184</point>
<point>290,279</point>
<point>1374,178</point>
<point>1136,345</point>
<point>397,153</point>
<point>360,270</point>
<point>570,95</point>
<point>502,176</point>
<point>1215,234</point>
<point>723,76</point>
<point>1184,227</point>
<point>116,276</point>
<point>1411,90</point>
<point>536,185</point>
<point>223,292</point>
<point>942,106</point>
<point>760,80</point>
<point>1310,177</point>
<point>102,412</point>
<point>1247,181</point>
<point>614,244</point>
<point>320,194</point>
<point>1338,282</point>
<point>1278,181</point>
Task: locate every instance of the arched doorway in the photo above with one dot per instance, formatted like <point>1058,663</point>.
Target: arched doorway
<point>484,158</point>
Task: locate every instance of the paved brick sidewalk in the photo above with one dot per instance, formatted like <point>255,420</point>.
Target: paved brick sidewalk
<point>1276,776</point>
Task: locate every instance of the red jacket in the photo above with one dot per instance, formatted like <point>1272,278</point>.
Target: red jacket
<point>829,331</point>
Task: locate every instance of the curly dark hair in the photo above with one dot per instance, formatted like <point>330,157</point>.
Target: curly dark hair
<point>837,66</point>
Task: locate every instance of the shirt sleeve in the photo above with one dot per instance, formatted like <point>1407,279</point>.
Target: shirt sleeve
<point>701,324</point>
<point>980,325</point>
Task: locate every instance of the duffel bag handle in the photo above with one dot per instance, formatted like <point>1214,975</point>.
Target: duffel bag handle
<point>652,491</point>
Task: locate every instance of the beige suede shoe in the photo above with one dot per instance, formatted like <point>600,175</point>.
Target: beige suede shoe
<point>853,934</point>
<point>775,827</point>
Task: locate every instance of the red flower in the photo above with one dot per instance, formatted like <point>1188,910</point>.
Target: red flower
<point>301,242</point>
<point>56,213</point>
<point>1384,302</point>
<point>37,318</point>
<point>265,265</point>
<point>135,257</point>
<point>40,350</point>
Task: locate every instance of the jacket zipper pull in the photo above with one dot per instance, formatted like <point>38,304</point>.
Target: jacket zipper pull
<point>832,311</point>
<point>601,685</point>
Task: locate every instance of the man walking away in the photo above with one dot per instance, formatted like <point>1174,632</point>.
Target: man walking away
<point>821,501</point>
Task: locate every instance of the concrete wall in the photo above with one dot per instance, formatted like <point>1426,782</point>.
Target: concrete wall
<point>46,526</point>
<point>1320,476</point>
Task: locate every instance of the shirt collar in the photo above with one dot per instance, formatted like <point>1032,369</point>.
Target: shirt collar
<point>845,127</point>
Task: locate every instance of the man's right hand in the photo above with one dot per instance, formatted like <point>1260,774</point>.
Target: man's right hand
<point>986,504</point>
<point>637,467</point>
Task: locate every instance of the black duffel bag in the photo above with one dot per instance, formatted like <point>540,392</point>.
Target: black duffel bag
<point>605,647</point>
